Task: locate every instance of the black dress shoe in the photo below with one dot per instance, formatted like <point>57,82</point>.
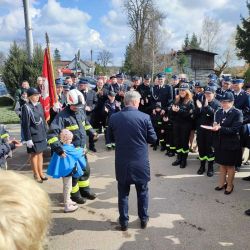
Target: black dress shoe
<point>44,178</point>
<point>93,149</point>
<point>246,178</point>
<point>247,212</point>
<point>176,163</point>
<point>220,188</point>
<point>229,192</point>
<point>144,224</point>
<point>124,227</point>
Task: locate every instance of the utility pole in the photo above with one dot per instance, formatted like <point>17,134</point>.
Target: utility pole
<point>28,29</point>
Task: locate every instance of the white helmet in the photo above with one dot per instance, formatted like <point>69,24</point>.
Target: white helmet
<point>75,97</point>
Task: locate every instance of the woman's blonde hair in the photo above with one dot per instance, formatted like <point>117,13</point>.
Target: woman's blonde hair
<point>24,212</point>
<point>187,98</point>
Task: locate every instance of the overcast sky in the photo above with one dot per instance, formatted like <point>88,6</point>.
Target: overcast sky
<point>101,24</point>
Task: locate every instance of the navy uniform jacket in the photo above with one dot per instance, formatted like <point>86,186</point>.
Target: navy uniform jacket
<point>145,92</point>
<point>33,122</point>
<point>242,102</point>
<point>131,130</point>
<point>163,95</point>
<point>117,88</point>
<point>227,137</point>
<point>220,92</point>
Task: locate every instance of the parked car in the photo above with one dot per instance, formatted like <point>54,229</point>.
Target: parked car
<point>3,89</point>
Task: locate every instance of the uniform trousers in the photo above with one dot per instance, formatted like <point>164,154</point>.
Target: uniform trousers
<point>142,201</point>
<point>204,142</point>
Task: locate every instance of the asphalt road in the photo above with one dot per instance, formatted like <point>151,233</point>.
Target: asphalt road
<point>185,210</point>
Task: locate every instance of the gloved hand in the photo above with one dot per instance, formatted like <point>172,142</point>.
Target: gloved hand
<point>30,144</point>
<point>57,107</point>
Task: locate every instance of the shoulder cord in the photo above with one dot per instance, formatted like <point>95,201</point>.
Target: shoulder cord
<point>32,117</point>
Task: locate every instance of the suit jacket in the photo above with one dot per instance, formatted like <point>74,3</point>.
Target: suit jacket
<point>131,130</point>
<point>163,95</point>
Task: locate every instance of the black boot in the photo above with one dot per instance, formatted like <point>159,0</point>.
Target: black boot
<point>76,197</point>
<point>210,170</point>
<point>87,193</point>
<point>177,161</point>
<point>171,153</point>
<point>202,168</point>
<point>183,160</point>
<point>155,147</point>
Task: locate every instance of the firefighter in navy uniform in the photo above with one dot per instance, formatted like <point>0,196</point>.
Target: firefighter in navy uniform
<point>145,91</point>
<point>74,119</point>
<point>182,111</point>
<point>225,87</point>
<point>204,114</point>
<point>241,102</point>
<point>162,93</point>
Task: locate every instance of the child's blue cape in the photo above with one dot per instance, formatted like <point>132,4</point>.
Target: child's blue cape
<point>61,167</point>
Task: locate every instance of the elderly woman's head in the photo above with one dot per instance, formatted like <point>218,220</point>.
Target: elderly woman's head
<point>24,212</point>
<point>132,98</point>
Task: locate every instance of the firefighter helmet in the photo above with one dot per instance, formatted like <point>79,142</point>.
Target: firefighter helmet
<point>75,97</point>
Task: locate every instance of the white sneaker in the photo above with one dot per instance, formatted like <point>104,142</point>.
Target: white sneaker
<point>69,208</point>
<point>72,203</point>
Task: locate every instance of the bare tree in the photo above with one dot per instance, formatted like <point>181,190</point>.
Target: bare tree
<point>143,20</point>
<point>210,33</point>
<point>227,57</point>
<point>104,57</point>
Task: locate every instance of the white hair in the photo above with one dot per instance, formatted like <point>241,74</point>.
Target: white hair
<point>24,212</point>
<point>131,96</point>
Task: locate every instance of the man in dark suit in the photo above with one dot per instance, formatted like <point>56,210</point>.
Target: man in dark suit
<point>132,130</point>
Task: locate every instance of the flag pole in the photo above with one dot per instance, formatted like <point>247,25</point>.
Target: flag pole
<point>51,65</point>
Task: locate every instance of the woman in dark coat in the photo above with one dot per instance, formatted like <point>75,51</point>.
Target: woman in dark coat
<point>227,124</point>
<point>34,130</point>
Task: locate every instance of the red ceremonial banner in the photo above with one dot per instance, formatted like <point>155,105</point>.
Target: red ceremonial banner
<point>48,97</point>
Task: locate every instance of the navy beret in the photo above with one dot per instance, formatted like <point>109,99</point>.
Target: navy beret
<point>83,81</point>
<point>120,75</point>
<point>227,79</point>
<point>135,78</point>
<point>210,89</point>
<point>158,105</point>
<point>237,81</point>
<point>32,91</point>
<point>112,93</point>
<point>175,77</point>
<point>147,77</point>
<point>199,85</point>
<point>59,82</point>
<point>227,97</point>
<point>66,87</point>
<point>184,86</point>
<point>112,77</point>
<point>160,75</point>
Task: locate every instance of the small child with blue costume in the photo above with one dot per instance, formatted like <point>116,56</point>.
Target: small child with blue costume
<point>71,163</point>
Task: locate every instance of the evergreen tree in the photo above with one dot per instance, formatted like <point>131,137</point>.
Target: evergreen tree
<point>128,63</point>
<point>186,43</point>
<point>243,37</point>
<point>13,70</point>
<point>57,55</point>
<point>194,43</point>
<point>17,68</point>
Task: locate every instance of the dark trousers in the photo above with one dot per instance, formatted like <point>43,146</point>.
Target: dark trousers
<point>204,142</point>
<point>181,136</point>
<point>142,201</point>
